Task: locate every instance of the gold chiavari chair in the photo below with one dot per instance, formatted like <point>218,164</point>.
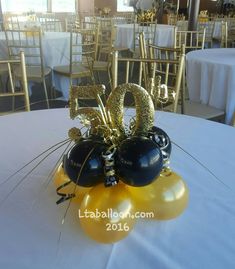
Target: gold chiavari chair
<point>72,21</point>
<point>30,41</point>
<point>168,72</point>
<point>103,31</point>
<point>102,61</point>
<point>172,19</point>
<point>167,69</point>
<point>182,25</point>
<point>49,22</point>
<point>113,41</point>
<point>192,40</point>
<point>149,28</point>
<point>83,48</point>
<point>18,88</point>
<point>105,37</point>
<point>92,25</point>
<point>224,35</point>
<point>209,26</point>
<point>11,22</point>
<point>154,86</point>
<point>124,18</point>
<point>231,32</point>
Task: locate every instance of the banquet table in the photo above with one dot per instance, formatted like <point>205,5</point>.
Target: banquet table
<point>56,46</point>
<point>211,78</point>
<point>164,35</point>
<point>31,229</point>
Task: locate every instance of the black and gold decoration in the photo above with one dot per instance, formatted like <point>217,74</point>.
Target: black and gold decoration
<point>144,17</point>
<point>117,168</point>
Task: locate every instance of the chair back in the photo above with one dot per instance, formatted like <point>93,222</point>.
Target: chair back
<point>30,41</point>
<point>172,19</point>
<point>49,23</point>
<point>152,75</point>
<point>105,38</point>
<point>83,48</point>
<point>72,21</point>
<point>124,18</point>
<point>224,34</point>
<point>16,87</point>
<point>92,25</point>
<point>149,30</point>
<point>11,22</point>
<point>169,71</point>
<point>210,27</point>
<point>192,40</point>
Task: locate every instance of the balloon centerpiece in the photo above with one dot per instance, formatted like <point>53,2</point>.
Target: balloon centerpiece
<point>115,172</point>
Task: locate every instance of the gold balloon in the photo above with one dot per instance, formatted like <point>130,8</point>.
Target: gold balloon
<point>166,197</point>
<point>110,211</point>
<point>61,178</point>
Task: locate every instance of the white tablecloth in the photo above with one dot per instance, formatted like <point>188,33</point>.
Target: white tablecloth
<point>30,226</point>
<point>125,35</point>
<point>183,26</point>
<point>56,52</point>
<point>211,78</point>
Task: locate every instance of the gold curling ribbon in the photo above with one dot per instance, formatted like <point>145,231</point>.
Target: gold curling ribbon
<point>92,116</point>
<point>143,104</point>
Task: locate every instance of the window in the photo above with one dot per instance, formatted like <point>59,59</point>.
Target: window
<point>24,5</point>
<point>123,5</point>
<point>63,5</point>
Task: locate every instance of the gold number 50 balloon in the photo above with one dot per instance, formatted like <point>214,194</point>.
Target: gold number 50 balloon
<point>144,108</point>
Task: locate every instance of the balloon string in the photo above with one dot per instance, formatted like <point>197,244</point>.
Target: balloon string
<point>53,171</point>
<point>50,176</point>
<point>35,158</point>
<point>24,177</point>
<point>78,177</point>
<point>200,163</point>
<point>80,172</point>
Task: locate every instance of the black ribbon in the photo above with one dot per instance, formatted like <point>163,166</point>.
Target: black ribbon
<point>64,197</point>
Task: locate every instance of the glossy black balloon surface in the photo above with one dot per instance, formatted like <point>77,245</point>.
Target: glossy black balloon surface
<point>161,138</point>
<point>93,171</point>
<point>139,161</point>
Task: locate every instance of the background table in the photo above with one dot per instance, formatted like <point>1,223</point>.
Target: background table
<point>217,25</point>
<point>125,35</point>
<point>211,78</point>
<point>30,226</point>
<point>56,46</point>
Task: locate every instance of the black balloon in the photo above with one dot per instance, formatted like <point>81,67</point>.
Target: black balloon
<point>139,161</point>
<point>161,138</point>
<point>93,171</point>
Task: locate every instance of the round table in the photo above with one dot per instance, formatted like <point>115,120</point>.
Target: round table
<point>211,78</point>
<point>31,232</point>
